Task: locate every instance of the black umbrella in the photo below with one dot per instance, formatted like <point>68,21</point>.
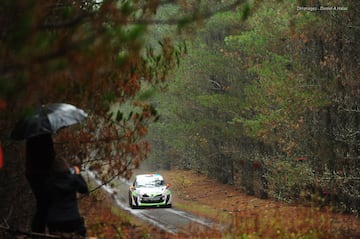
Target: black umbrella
<point>47,120</point>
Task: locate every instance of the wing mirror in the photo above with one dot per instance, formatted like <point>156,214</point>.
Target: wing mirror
<point>168,185</point>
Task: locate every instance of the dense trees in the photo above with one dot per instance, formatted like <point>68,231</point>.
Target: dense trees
<point>267,98</point>
<point>92,54</point>
<point>97,55</point>
<point>271,103</point>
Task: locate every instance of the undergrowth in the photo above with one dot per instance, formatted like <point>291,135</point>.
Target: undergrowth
<point>277,224</point>
<point>247,217</point>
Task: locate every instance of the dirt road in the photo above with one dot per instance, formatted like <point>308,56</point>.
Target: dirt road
<point>171,220</point>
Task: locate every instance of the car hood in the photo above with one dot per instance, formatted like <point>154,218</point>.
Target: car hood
<point>150,191</point>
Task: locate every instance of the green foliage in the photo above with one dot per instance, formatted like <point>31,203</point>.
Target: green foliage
<point>246,11</point>
<point>92,54</point>
<point>289,180</point>
<point>267,89</point>
<point>195,113</point>
<point>265,26</point>
<point>278,97</point>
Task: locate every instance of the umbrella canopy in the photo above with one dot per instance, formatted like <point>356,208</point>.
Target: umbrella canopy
<point>47,120</point>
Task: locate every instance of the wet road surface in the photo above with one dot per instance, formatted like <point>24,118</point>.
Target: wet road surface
<point>170,220</point>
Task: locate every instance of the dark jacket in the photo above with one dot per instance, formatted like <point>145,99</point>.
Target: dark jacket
<point>63,189</point>
<point>40,155</point>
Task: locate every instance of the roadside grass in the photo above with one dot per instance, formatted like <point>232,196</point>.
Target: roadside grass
<point>247,217</point>
<point>269,223</point>
<point>279,224</point>
<point>203,211</point>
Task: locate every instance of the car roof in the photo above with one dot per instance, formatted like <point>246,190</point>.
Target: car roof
<point>149,176</point>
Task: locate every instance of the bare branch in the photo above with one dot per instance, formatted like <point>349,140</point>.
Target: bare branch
<point>66,23</point>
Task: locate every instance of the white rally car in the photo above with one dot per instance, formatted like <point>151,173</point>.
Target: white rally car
<point>149,190</point>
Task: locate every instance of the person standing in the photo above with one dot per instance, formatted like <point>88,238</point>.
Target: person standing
<point>63,214</point>
<point>40,156</point>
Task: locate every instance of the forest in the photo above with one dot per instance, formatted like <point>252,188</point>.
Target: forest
<point>261,95</point>
<point>269,104</point>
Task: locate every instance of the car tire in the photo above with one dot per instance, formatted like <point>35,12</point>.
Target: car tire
<point>132,206</point>
<point>130,202</point>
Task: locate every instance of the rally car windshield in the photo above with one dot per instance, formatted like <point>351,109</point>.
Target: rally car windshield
<point>149,183</point>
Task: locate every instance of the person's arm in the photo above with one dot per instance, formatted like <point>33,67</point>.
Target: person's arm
<point>81,183</point>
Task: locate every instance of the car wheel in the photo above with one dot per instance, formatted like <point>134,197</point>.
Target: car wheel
<point>130,202</point>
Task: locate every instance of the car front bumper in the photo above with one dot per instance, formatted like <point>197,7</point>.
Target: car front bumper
<point>157,201</point>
